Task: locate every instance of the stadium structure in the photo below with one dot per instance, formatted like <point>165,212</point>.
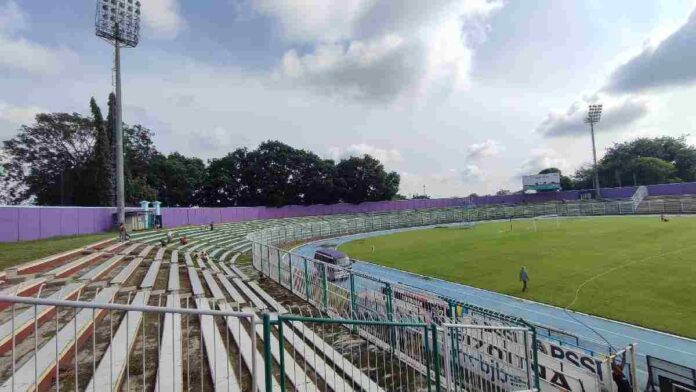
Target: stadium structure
<point>235,308</point>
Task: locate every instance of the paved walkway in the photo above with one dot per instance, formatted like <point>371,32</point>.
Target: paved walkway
<point>670,347</point>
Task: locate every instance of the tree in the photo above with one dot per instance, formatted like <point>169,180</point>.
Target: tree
<point>504,192</point>
<point>653,170</point>
<point>222,186</point>
<point>420,197</point>
<point>360,179</point>
<point>618,166</point>
<point>176,178</point>
<point>101,165</point>
<point>139,151</point>
<point>49,159</point>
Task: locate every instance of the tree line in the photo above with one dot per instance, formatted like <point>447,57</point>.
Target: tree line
<point>68,159</point>
<point>643,161</point>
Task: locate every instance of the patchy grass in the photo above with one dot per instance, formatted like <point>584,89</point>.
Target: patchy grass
<point>13,253</point>
<point>634,269</point>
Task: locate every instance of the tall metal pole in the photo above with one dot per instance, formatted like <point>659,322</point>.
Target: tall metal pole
<point>594,157</point>
<point>118,128</point>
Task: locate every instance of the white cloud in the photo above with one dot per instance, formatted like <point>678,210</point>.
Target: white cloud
<point>617,113</point>
<point>386,156</point>
<point>11,17</point>
<point>310,21</point>
<point>162,18</point>
<point>668,63</point>
<point>543,158</point>
<point>18,54</point>
<point>377,50</point>
<point>472,174</point>
<point>488,148</point>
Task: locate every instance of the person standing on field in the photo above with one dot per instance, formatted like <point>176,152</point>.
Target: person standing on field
<point>524,277</point>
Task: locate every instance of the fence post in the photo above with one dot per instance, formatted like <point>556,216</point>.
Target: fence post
<point>390,294</point>
<point>535,357</point>
<point>436,357</point>
<point>281,346</point>
<point>353,301</point>
<point>306,278</point>
<point>427,358</point>
<point>325,289</point>
<point>267,358</point>
<point>280,281</point>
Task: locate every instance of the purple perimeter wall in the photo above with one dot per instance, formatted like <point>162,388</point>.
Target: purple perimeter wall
<point>31,223</point>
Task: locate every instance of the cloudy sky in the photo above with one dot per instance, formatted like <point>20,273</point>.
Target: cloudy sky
<point>460,96</point>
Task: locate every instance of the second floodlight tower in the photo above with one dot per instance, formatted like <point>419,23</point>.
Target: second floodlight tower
<point>118,22</point>
<point>594,114</point>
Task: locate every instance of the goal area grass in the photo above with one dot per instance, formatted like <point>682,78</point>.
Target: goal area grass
<point>634,269</point>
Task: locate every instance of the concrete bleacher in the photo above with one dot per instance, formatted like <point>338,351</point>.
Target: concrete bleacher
<point>218,283</point>
<point>680,204</point>
<point>41,366</point>
<point>112,367</point>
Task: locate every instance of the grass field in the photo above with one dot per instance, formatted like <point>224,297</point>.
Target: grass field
<point>13,253</point>
<point>646,268</point>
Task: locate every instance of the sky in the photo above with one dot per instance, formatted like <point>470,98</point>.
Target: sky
<point>457,96</point>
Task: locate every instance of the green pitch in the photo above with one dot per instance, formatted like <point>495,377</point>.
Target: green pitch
<point>635,269</point>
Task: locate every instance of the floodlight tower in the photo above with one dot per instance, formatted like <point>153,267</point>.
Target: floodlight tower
<point>593,116</point>
<point>118,22</point>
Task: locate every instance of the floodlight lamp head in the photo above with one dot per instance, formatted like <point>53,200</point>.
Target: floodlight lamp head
<point>118,21</point>
<point>594,114</point>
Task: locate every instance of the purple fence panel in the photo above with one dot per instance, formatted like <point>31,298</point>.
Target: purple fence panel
<point>85,223</point>
<point>69,221</point>
<point>50,222</point>
<point>29,224</point>
<point>9,224</point>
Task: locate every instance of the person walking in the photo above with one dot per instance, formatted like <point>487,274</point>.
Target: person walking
<point>122,234</point>
<point>524,277</point>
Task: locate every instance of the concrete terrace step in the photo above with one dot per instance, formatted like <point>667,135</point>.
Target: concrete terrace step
<point>236,297</point>
<point>112,367</point>
<point>243,340</point>
<point>212,286</point>
<point>23,378</point>
<point>73,266</point>
<point>174,257</point>
<point>24,321</point>
<point>170,367</point>
<point>100,270</point>
<point>249,294</point>
<point>221,371</point>
<point>149,280</point>
<point>126,273</point>
<point>173,283</point>
<point>196,286</point>
<point>239,273</point>
<point>24,289</point>
<point>160,254</point>
<point>146,251</point>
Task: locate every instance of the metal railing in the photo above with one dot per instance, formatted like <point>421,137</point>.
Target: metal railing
<point>92,346</point>
<point>487,358</point>
<point>342,293</point>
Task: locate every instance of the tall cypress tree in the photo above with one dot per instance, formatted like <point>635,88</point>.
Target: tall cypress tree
<point>102,158</point>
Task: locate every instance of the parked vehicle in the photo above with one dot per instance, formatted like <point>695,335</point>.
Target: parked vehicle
<point>334,257</point>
